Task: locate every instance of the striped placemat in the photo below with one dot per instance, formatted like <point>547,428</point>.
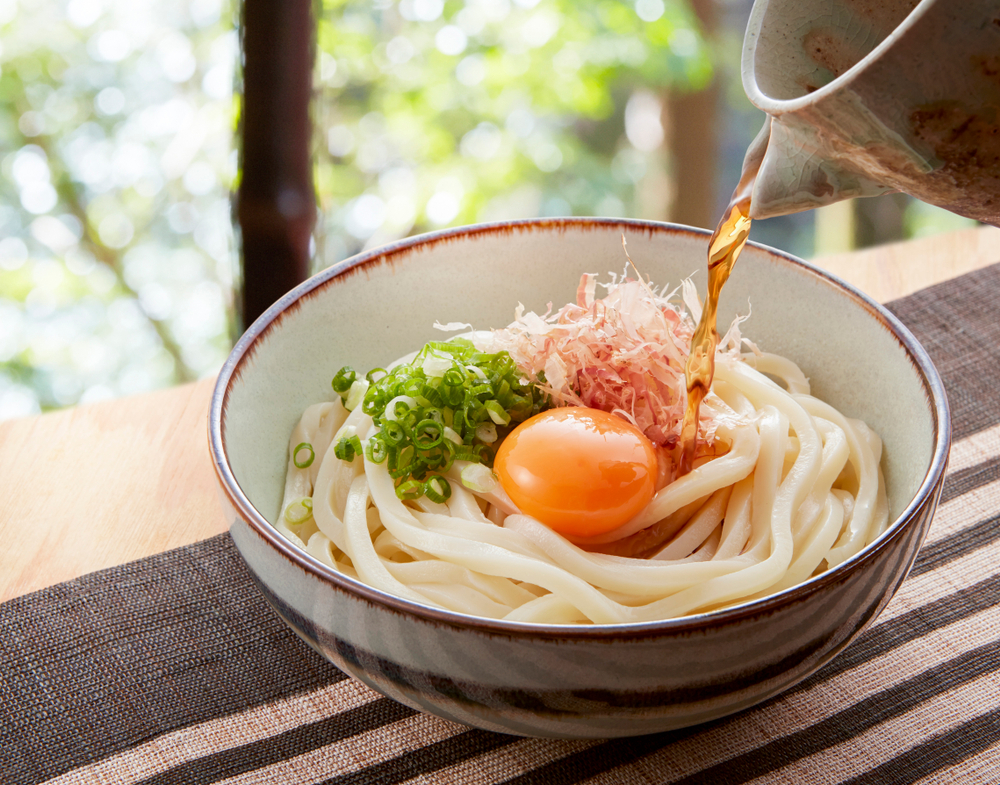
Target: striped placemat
<point>173,670</point>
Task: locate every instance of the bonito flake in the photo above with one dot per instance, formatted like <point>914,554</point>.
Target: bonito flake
<point>624,353</point>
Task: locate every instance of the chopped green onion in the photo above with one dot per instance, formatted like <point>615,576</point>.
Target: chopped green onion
<point>504,396</point>
<point>359,388</point>
<point>305,463</point>
<point>376,450</point>
<point>399,406</point>
<point>403,462</point>
<point>393,432</point>
<point>347,448</point>
<point>299,512</point>
<point>520,408</point>
<point>411,489</point>
<point>449,403</point>
<point>453,378</point>
<point>398,473</point>
<point>343,380</point>
<point>414,386</point>
<point>475,412</point>
<point>497,413</point>
<point>478,478</point>
<point>486,433</point>
<point>437,489</point>
<point>436,365</point>
<point>480,453</point>
<point>427,434</point>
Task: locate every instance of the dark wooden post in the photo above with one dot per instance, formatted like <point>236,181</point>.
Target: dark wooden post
<point>275,201</point>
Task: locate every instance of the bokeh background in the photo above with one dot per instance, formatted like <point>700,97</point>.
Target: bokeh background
<point>118,150</point>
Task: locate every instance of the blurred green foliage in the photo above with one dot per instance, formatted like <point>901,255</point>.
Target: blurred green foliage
<point>439,113</point>
<point>115,239</point>
<point>116,121</point>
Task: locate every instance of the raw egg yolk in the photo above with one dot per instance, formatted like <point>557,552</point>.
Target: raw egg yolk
<point>580,471</point>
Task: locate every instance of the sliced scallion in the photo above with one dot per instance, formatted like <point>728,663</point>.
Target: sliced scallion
<point>437,489</point>
<point>343,380</point>
<point>356,394</point>
<point>478,478</point>
<point>410,489</point>
<point>299,512</point>
<point>347,448</point>
<point>486,433</point>
<point>449,403</point>
<point>376,450</point>
<point>428,434</point>
<point>497,413</point>
<point>309,455</point>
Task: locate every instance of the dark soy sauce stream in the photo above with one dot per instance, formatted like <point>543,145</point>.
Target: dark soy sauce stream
<point>723,250</point>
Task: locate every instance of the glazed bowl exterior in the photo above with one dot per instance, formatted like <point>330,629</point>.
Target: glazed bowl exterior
<point>552,680</point>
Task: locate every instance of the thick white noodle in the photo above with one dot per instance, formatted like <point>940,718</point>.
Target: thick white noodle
<point>316,428</point>
<point>780,367</point>
<point>702,481</point>
<point>698,529</point>
<point>333,483</point>
<point>796,489</point>
<point>869,513</point>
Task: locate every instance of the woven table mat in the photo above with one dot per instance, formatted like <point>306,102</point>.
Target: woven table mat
<point>172,669</point>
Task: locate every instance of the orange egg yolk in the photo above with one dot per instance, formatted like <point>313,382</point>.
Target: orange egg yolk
<point>580,471</point>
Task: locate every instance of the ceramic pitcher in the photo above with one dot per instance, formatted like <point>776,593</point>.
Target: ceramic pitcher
<point>869,96</point>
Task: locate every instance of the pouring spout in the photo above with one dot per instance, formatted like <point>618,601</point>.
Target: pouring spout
<point>796,175</point>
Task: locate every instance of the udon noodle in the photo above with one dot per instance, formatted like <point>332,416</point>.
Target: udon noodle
<point>791,487</point>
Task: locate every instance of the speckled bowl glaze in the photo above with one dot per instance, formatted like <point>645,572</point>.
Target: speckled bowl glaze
<point>569,681</point>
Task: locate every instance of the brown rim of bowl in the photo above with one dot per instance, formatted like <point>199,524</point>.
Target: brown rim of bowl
<point>933,386</point>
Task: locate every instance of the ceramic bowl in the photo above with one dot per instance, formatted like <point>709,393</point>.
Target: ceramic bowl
<point>552,680</point>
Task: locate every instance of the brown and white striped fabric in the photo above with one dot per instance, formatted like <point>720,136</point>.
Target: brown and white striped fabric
<point>173,670</point>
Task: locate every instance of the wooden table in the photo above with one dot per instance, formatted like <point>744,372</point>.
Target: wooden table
<point>106,483</point>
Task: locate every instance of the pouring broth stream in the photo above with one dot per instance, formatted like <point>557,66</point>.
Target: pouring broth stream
<point>723,250</point>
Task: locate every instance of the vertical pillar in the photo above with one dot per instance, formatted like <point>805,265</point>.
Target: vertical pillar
<point>275,200</point>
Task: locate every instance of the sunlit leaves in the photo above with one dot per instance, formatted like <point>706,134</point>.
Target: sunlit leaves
<point>495,109</point>
<point>116,119</point>
<point>116,136</point>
